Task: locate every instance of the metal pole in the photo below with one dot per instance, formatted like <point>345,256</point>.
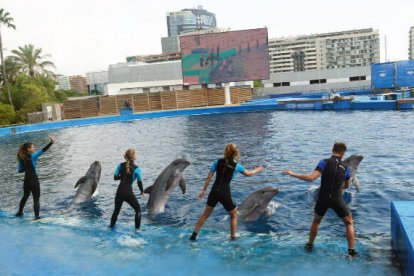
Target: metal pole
<point>227,99</point>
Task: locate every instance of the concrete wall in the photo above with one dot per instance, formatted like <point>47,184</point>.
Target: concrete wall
<point>336,79</point>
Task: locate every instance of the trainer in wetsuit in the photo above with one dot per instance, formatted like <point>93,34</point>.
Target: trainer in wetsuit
<point>127,172</point>
<point>27,163</point>
<point>334,178</point>
<point>226,168</point>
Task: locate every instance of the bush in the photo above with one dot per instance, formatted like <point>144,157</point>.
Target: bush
<point>7,114</point>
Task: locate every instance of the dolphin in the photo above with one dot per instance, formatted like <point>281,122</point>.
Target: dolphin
<point>256,204</point>
<point>87,184</point>
<point>164,185</point>
<point>353,162</point>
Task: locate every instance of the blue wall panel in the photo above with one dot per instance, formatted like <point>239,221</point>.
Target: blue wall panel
<point>402,233</point>
<point>405,73</point>
<point>383,75</point>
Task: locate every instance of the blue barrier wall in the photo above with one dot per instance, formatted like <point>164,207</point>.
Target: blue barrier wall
<point>383,75</point>
<point>402,233</point>
<point>405,73</point>
<point>139,116</point>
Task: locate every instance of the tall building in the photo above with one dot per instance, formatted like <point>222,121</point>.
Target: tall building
<point>62,82</point>
<point>78,83</point>
<point>324,51</point>
<point>411,42</point>
<point>186,21</point>
<point>96,81</point>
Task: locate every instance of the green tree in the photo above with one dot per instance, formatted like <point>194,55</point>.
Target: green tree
<point>7,21</point>
<point>29,93</point>
<point>7,114</point>
<point>12,70</point>
<point>32,62</point>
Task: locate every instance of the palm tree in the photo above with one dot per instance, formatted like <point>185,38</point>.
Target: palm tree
<point>32,62</point>
<point>12,69</point>
<point>7,21</point>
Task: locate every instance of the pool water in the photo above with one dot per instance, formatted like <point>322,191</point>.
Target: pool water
<point>74,239</point>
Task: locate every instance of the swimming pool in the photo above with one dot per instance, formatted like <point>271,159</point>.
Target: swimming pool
<point>75,239</point>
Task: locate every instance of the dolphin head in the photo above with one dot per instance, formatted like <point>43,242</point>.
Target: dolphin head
<point>95,170</point>
<point>180,164</point>
<point>265,195</point>
<point>256,203</point>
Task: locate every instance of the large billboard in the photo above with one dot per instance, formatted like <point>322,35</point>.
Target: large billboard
<point>225,57</point>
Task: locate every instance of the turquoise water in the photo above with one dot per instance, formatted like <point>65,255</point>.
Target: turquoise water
<point>75,239</point>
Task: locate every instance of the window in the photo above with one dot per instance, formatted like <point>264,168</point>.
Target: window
<point>357,78</point>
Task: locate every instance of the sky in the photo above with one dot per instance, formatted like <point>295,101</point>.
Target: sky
<point>88,35</point>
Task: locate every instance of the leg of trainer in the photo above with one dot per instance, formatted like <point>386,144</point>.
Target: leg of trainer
<point>133,202</point>
<point>206,214</point>
<point>350,234</point>
<point>314,228</point>
<point>118,205</point>
<point>233,223</point>
<point>23,202</point>
<point>36,201</point>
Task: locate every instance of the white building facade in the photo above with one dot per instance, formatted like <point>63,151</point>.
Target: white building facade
<point>62,82</point>
<point>96,82</point>
<point>411,46</point>
<point>324,51</point>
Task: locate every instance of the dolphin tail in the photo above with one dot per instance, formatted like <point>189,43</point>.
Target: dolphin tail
<point>148,190</point>
<point>81,180</point>
<point>183,185</point>
<point>355,182</point>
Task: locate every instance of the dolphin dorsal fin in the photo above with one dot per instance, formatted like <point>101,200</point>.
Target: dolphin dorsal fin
<point>81,180</point>
<point>148,190</point>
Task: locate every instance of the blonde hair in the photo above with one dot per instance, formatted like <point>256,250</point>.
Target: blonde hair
<point>129,157</point>
<point>231,151</point>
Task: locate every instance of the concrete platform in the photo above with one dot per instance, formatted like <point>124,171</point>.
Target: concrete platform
<point>402,233</point>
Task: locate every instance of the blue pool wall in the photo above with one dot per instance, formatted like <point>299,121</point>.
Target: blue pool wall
<point>402,233</point>
<point>129,117</point>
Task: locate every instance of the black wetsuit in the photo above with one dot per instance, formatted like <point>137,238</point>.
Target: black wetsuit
<point>330,194</point>
<point>31,181</point>
<point>125,193</point>
<point>220,192</point>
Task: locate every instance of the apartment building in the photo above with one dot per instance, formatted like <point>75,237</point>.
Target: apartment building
<point>411,44</point>
<point>324,51</point>
<point>78,83</point>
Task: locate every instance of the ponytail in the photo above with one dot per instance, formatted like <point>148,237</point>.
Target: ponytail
<point>129,157</point>
<point>231,152</point>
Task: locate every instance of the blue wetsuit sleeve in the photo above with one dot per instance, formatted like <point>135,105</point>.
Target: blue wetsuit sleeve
<point>347,173</point>
<point>137,174</point>
<point>321,166</point>
<point>240,168</point>
<point>213,166</point>
<point>37,154</point>
<point>117,176</point>
<point>20,169</point>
